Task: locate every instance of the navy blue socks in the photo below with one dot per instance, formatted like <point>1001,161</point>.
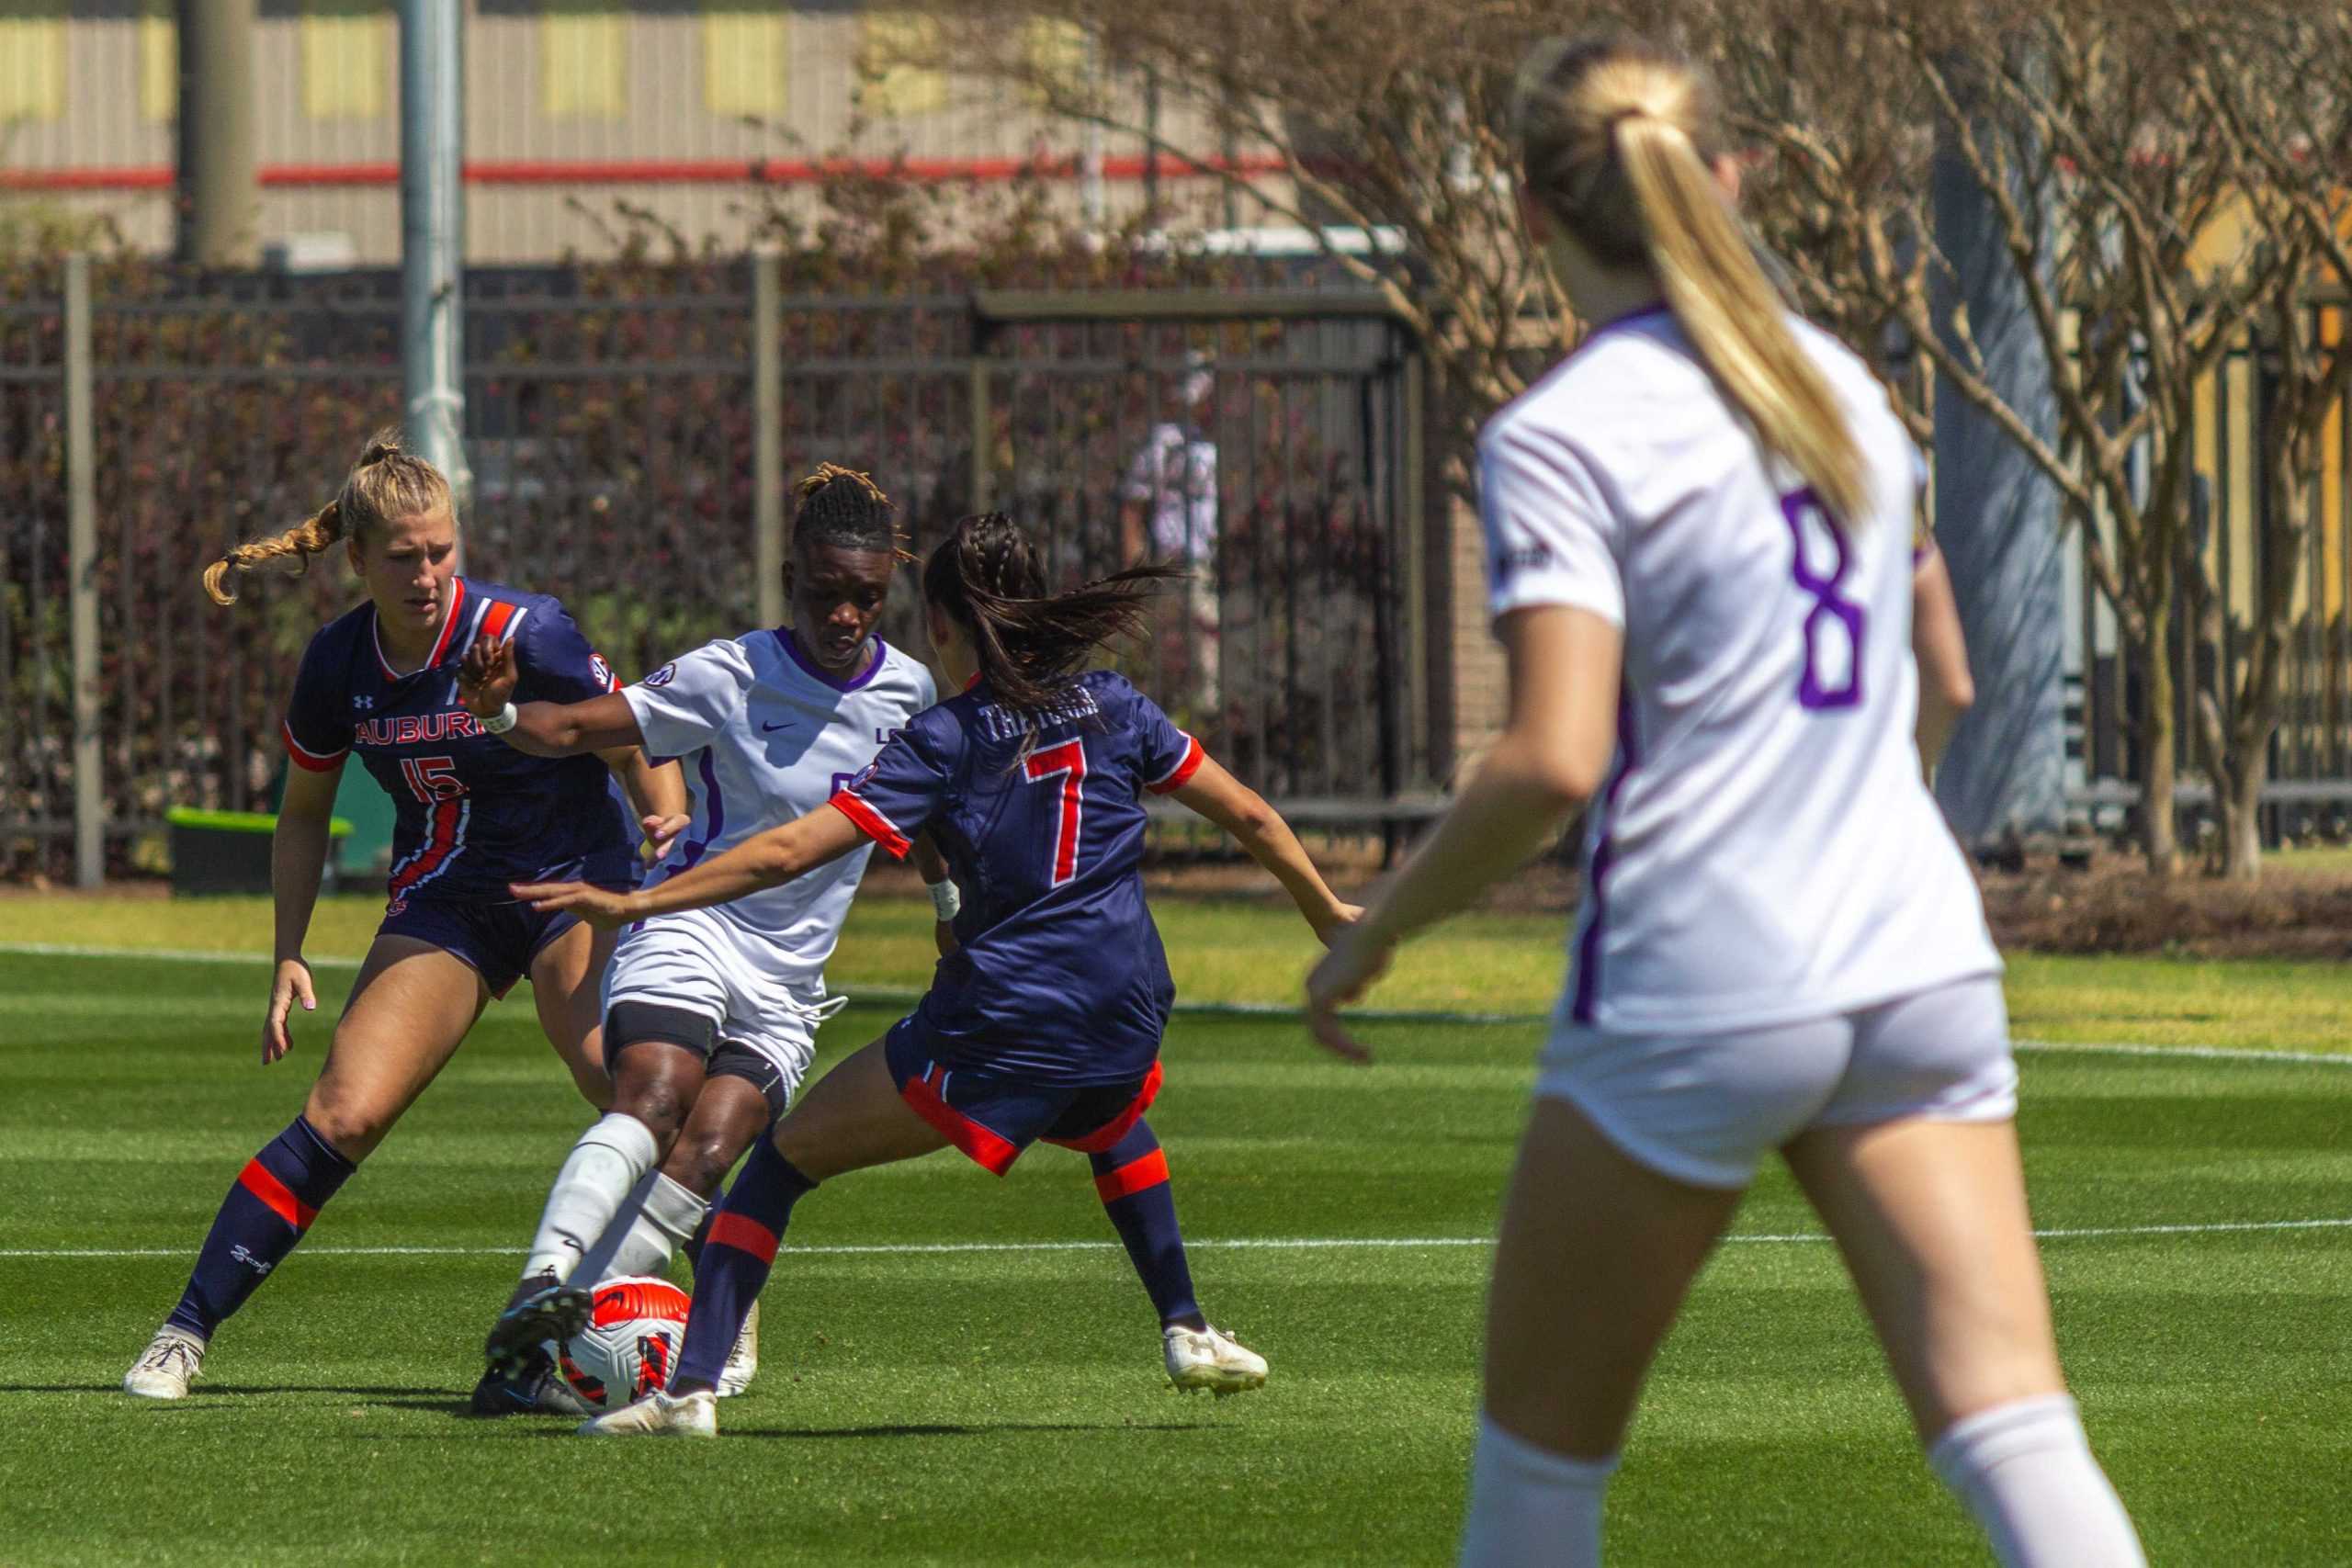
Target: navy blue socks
<point>277,1196</point>
<point>1131,1177</point>
<point>746,1229</point>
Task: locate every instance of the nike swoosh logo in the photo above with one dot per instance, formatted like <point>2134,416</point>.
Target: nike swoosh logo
<point>772,728</point>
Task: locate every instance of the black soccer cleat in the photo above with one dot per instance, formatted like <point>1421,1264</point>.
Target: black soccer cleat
<point>531,1387</point>
<point>543,1313</point>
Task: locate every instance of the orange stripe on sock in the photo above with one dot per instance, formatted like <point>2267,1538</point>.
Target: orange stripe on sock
<point>744,1234</point>
<point>1133,1177</point>
<point>276,1195</point>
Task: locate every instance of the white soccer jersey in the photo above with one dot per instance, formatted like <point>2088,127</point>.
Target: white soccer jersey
<point>1764,849</point>
<point>763,737</point>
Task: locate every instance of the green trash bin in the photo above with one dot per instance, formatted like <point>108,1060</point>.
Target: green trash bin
<point>363,852</point>
<point>227,852</point>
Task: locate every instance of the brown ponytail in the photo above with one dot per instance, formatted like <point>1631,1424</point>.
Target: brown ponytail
<point>1617,143</point>
<point>1029,645</point>
<point>386,483</point>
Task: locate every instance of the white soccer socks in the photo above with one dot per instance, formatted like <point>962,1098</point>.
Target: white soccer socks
<point>659,1217</point>
<point>1530,1507</point>
<point>2024,1470</point>
<point>610,1158</point>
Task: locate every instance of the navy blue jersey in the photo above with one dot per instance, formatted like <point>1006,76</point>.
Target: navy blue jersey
<point>473,813</point>
<point>1059,977</point>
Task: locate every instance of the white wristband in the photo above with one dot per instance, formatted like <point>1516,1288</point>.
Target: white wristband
<point>501,721</point>
<point>945,899</point>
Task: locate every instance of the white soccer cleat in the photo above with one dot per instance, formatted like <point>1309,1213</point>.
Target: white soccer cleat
<point>174,1359</point>
<point>660,1416</point>
<point>1202,1358</point>
<point>743,1361</point>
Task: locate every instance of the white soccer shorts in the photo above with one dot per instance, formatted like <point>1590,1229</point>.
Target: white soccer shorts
<point>705,963</point>
<point>1705,1109</point>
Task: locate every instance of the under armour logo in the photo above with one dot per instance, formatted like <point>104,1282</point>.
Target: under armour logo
<point>363,702</point>
<point>258,1266</point>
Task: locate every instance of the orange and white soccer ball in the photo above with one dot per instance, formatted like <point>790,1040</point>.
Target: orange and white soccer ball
<point>630,1347</point>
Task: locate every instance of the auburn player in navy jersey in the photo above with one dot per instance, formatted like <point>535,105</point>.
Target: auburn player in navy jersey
<point>1045,1022</point>
<point>473,815</point>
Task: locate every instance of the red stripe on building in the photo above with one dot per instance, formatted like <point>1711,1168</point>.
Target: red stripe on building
<point>871,823</point>
<point>660,171</point>
<point>986,1149</point>
<point>744,1234</point>
<point>1133,1177</point>
<point>276,1195</point>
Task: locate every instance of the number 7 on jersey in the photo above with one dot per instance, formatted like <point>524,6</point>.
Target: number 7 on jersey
<point>1066,763</point>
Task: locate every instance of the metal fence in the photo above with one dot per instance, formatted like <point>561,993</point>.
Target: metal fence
<point>633,434</point>
<point>2311,751</point>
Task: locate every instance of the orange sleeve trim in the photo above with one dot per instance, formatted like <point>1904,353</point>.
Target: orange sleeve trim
<point>872,823</point>
<point>1181,774</point>
<point>316,761</point>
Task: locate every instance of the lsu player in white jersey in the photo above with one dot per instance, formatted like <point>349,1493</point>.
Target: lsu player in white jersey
<point>1700,531</point>
<point>710,1015</point>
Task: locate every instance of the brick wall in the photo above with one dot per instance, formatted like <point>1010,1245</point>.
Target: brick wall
<point>1477,659</point>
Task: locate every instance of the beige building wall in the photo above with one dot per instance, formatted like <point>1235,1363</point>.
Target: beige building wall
<point>703,116</point>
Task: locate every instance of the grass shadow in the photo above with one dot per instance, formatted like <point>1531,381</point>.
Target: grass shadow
<point>202,1393</point>
<point>563,1426</point>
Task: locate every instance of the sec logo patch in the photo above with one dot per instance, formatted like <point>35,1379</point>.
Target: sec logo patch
<point>663,676</point>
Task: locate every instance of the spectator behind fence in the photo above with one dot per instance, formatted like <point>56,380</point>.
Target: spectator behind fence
<point>1168,510</point>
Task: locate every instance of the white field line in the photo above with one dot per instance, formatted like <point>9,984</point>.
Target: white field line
<point>1236,1244</point>
<point>898,994</point>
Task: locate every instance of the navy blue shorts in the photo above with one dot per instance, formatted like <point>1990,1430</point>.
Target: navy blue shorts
<point>993,1118</point>
<point>498,940</point>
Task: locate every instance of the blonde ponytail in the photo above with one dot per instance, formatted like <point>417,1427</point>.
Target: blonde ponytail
<point>1616,141</point>
<point>386,483</point>
<point>311,536</point>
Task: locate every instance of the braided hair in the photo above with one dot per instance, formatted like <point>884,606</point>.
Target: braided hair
<point>989,578</point>
<point>845,508</point>
<point>388,483</point>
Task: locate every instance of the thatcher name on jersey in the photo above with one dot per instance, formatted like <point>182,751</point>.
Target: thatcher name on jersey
<point>1002,724</point>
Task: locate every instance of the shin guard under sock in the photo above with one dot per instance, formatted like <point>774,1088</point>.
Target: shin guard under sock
<point>745,1232</point>
<point>277,1196</point>
<point>1131,1177</point>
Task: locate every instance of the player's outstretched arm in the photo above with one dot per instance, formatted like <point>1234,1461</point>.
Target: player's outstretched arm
<point>1946,687</point>
<point>486,684</point>
<point>1259,828</point>
<point>659,793</point>
<point>298,856</point>
<point>1555,746</point>
<point>766,860</point>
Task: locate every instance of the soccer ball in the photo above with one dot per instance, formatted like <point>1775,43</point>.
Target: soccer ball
<point>630,1347</point>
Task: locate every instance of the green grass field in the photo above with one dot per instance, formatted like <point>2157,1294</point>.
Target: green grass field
<point>1002,1404</point>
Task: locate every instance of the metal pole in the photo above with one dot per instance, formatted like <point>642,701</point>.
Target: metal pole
<point>1412,495</point>
<point>1093,200</point>
<point>983,430</point>
<point>219,190</point>
<point>433,237</point>
<point>767,430</point>
<point>1998,524</point>
<point>82,580</point>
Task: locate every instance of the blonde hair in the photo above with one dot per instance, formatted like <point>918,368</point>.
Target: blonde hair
<point>1617,143</point>
<point>386,483</point>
